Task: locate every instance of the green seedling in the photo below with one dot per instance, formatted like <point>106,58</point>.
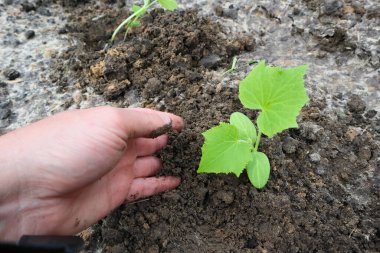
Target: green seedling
<point>138,11</point>
<point>233,66</point>
<point>232,147</point>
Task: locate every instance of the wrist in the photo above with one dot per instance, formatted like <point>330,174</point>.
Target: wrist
<point>10,182</point>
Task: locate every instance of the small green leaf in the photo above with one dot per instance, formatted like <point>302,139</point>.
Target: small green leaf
<point>278,92</point>
<point>137,9</point>
<point>134,23</point>
<point>169,5</point>
<point>258,170</point>
<point>223,151</point>
<point>247,130</point>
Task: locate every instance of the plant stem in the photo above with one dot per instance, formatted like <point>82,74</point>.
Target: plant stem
<point>257,141</point>
<point>129,27</point>
<point>146,6</point>
<point>233,66</point>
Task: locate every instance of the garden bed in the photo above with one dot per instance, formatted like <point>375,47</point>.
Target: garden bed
<point>323,192</point>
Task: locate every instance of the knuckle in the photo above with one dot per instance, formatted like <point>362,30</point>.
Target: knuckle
<point>113,114</point>
<point>109,110</point>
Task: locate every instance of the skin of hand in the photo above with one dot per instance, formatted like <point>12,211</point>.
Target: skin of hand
<point>64,173</point>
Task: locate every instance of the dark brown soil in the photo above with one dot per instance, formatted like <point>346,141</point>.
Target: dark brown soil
<point>323,193</point>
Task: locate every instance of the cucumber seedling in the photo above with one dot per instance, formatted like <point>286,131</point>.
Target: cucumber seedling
<point>232,147</point>
<point>137,11</point>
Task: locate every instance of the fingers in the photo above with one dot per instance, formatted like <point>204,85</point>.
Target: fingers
<point>140,122</point>
<point>146,147</point>
<point>98,199</point>
<point>146,187</point>
<point>146,166</point>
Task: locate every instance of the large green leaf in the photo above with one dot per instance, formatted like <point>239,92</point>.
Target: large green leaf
<point>223,151</point>
<point>278,92</point>
<point>246,128</point>
<point>170,5</point>
<point>258,170</point>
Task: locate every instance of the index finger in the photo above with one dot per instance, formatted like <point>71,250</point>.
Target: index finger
<point>141,122</point>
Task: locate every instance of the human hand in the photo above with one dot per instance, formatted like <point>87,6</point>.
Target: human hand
<point>64,173</point>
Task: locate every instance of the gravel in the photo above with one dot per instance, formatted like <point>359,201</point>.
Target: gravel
<point>29,34</point>
<point>289,145</point>
<point>4,113</point>
<point>11,74</point>
<point>371,114</point>
<point>315,157</point>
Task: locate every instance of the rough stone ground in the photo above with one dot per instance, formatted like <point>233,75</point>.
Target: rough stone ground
<point>323,193</point>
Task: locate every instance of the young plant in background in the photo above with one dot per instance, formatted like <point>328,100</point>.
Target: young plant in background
<point>232,68</point>
<point>232,147</point>
<point>137,11</point>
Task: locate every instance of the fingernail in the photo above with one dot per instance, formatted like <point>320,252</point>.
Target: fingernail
<point>167,120</point>
<point>178,179</point>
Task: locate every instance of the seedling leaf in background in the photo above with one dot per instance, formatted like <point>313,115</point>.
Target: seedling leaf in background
<point>279,94</point>
<point>138,11</point>
<point>221,148</point>
<point>246,128</point>
<point>135,24</point>
<point>233,66</point>
<point>258,170</point>
<point>169,5</point>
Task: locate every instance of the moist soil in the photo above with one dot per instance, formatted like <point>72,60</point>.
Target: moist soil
<point>323,192</point>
